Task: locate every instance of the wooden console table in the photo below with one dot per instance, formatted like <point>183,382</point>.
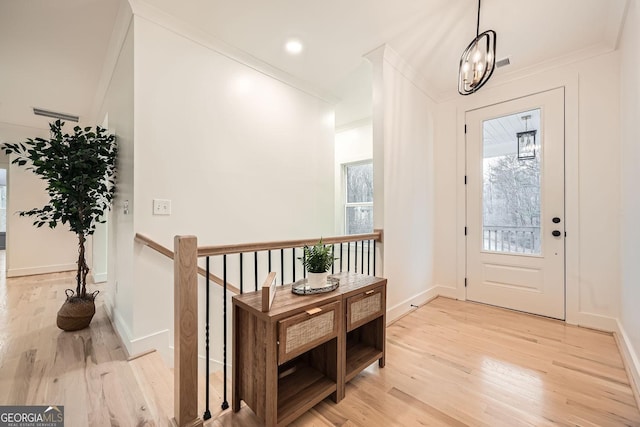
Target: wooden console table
<point>305,348</point>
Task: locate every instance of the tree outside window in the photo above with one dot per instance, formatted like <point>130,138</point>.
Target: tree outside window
<point>358,212</point>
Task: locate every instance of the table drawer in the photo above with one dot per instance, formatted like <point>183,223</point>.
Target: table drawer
<point>365,307</point>
<point>304,331</point>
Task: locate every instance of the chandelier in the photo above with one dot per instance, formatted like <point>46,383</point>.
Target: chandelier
<point>478,61</point>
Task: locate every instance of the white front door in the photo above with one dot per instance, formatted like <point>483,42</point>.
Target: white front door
<point>515,204</point>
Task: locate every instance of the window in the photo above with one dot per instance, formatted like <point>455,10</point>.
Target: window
<point>358,208</point>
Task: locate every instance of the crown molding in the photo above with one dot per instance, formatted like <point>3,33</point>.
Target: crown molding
<point>124,20</point>
<point>615,23</point>
<point>540,67</point>
<point>401,65</point>
<point>366,121</point>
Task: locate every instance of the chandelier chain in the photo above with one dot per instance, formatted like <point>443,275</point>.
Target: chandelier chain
<point>478,22</point>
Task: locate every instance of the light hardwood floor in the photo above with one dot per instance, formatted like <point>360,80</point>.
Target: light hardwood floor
<point>453,363</point>
<point>448,363</point>
<point>86,371</point>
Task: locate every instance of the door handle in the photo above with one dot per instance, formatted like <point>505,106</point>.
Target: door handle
<point>556,220</point>
<point>556,233</point>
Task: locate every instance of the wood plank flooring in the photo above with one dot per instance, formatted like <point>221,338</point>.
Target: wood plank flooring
<point>453,363</point>
<point>86,371</point>
<point>449,363</point>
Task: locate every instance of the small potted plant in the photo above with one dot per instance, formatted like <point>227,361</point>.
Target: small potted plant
<point>317,260</point>
<point>79,170</point>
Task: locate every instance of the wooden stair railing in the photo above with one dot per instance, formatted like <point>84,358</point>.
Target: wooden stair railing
<point>284,244</point>
<point>185,257</point>
<point>144,240</point>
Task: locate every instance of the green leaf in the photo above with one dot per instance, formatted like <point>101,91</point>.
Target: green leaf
<point>79,171</point>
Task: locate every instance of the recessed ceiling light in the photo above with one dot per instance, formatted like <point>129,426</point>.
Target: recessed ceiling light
<point>294,47</point>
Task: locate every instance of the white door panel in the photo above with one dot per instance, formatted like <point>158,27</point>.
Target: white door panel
<point>515,202</point>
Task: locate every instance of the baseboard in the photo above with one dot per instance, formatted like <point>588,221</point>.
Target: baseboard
<point>214,365</point>
<point>593,321</point>
<point>630,359</point>
<point>119,327</point>
<point>135,347</point>
<point>447,292</point>
<point>108,308</point>
<point>99,278</point>
<point>405,307</point>
<point>32,271</point>
<point>155,340</point>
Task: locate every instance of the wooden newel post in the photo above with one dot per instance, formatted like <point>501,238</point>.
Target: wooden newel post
<point>185,303</point>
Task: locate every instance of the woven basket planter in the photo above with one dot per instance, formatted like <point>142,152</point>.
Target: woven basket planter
<point>76,313</point>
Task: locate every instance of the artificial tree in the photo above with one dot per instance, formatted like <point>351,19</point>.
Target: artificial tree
<point>79,169</point>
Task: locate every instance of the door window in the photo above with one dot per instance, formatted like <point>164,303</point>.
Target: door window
<point>511,202</point>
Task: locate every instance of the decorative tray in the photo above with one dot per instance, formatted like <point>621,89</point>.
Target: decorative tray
<point>301,287</point>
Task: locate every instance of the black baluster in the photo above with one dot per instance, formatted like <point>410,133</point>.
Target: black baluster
<point>241,271</point>
<point>255,264</point>
<point>341,257</point>
<point>355,257</point>
<point>269,269</point>
<point>374,257</point>
<point>225,402</point>
<point>333,263</point>
<point>293,264</point>
<point>368,257</point>
<point>282,266</point>
<point>207,412</point>
<point>304,270</point>
<point>348,256</point>
<point>362,258</point>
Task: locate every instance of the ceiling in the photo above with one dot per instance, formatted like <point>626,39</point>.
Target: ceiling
<point>499,135</point>
<point>53,52</point>
<point>51,57</point>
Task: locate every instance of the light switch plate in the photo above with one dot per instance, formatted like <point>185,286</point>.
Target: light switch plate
<point>161,207</point>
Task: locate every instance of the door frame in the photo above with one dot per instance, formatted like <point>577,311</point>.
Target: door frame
<point>510,91</point>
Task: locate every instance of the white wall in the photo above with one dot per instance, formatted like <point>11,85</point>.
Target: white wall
<point>404,135</point>
<point>356,92</point>
<point>118,105</point>
<point>592,182</point>
<point>353,144</point>
<point>630,176</point>
<point>100,239</point>
<point>32,250</point>
<point>354,129</point>
<point>242,156</point>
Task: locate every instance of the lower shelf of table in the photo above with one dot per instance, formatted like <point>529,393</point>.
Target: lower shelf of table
<point>300,391</point>
<point>359,356</point>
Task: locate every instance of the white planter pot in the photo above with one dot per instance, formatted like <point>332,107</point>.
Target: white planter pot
<point>317,280</point>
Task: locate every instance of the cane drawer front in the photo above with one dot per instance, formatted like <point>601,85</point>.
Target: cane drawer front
<point>365,307</point>
<point>304,331</point>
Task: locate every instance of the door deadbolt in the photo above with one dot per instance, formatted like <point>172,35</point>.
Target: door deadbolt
<point>556,233</point>
<point>556,220</point>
